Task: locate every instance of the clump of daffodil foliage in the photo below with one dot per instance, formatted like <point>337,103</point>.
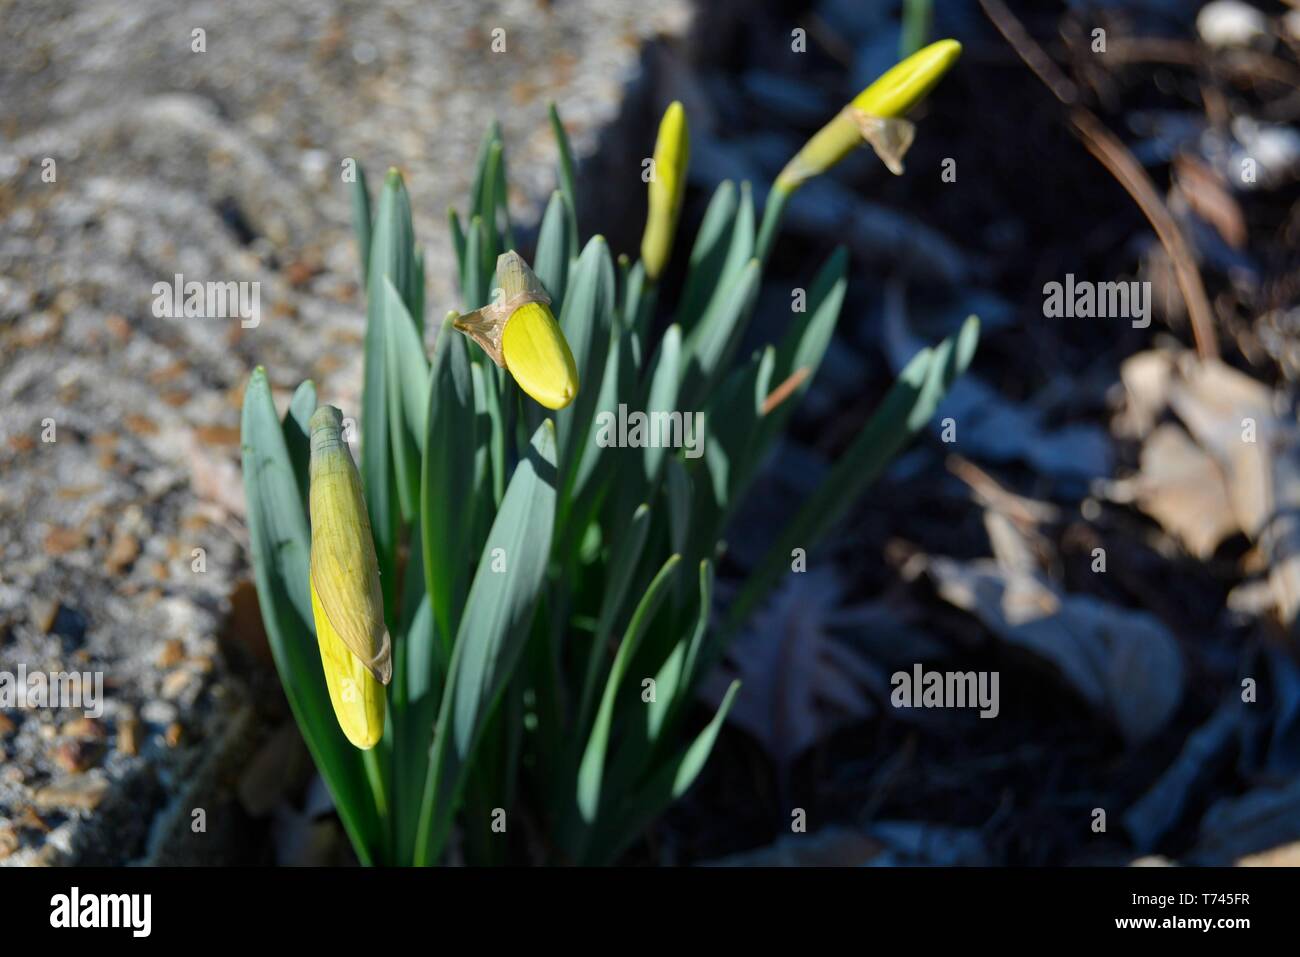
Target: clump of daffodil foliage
<point>494,623</point>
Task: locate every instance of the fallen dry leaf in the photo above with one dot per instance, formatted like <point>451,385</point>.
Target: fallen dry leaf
<point>798,682</point>
<point>1257,448</point>
<point>1207,196</point>
<point>1125,663</point>
<point>1182,488</point>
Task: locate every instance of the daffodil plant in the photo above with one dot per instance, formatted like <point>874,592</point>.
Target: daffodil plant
<point>491,626</point>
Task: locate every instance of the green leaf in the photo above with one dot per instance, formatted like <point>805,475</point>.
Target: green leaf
<point>415,295</point>
<point>408,364</point>
<point>732,421</point>
<point>278,526</point>
<point>591,770</point>
<point>474,283</point>
<point>708,254</point>
<point>487,400</point>
<point>587,321</point>
<point>280,547</point>
<point>484,182</point>
<point>361,220</point>
<point>712,340</point>
<point>551,264</point>
<point>503,202</point>
<point>646,732</point>
<point>426,665</point>
<point>425,671</point>
<point>457,245</point>
<point>407,375</point>
<point>567,180</point>
<point>487,204</point>
<point>401,743</point>
<point>447,477</point>
<point>625,558</point>
<point>587,478</point>
<point>661,403</point>
<point>740,247</point>
<point>678,776</point>
<point>391,248</point>
<point>638,296</point>
<point>805,342</point>
<point>677,676</point>
<point>732,425</point>
<point>773,213</point>
<point>297,436</point>
<point>905,410</point>
<point>679,505</point>
<point>665,786</point>
<point>492,632</point>
<point>711,344</point>
<point>392,244</point>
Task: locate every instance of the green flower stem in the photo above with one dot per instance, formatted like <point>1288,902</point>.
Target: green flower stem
<point>379,788</point>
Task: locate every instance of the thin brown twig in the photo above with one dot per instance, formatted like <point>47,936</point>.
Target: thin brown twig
<point>1251,64</point>
<point>1028,49</point>
<point>1120,163</point>
<point>784,390</point>
<point>1115,156</point>
<point>1238,66</point>
<point>1025,512</point>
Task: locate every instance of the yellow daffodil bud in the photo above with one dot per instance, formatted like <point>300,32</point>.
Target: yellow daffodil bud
<point>875,116</point>
<point>518,331</point>
<point>667,187</point>
<point>346,600</point>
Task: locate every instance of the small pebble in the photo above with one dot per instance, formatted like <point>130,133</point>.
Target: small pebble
<point>29,819</point>
<point>43,612</point>
<point>1230,23</point>
<point>78,755</point>
<point>8,840</point>
<point>128,735</point>
<point>61,541</point>
<point>171,654</point>
<point>81,793</point>
<point>1291,23</point>
<point>119,327</point>
<point>175,683</point>
<point>140,425</point>
<point>69,623</point>
<point>124,551</point>
<point>159,712</point>
<point>85,728</point>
